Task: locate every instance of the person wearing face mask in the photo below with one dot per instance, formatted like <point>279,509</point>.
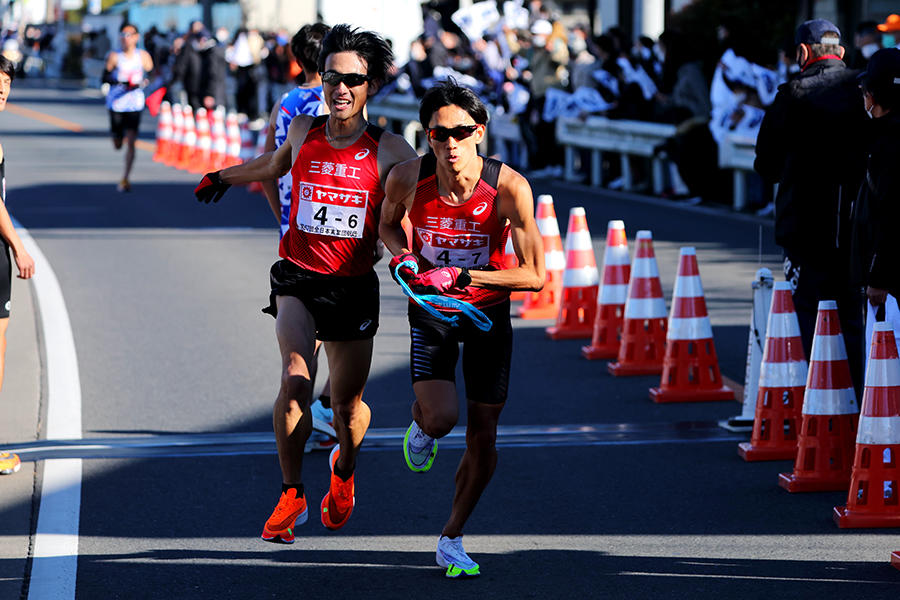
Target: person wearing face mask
<point>866,42</point>
<point>810,143</point>
<point>876,211</point>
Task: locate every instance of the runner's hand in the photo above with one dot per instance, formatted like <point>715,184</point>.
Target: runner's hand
<point>435,281</point>
<point>405,273</point>
<point>211,188</point>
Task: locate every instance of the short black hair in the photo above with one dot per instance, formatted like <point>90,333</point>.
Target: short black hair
<point>450,93</point>
<point>307,43</point>
<point>370,46</point>
<point>127,24</point>
<point>7,66</point>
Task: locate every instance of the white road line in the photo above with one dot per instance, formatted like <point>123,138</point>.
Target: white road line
<point>55,556</point>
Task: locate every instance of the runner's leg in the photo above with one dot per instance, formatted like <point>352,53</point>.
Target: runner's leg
<point>436,408</point>
<point>348,365</point>
<point>477,465</point>
<point>291,419</point>
<point>130,138</point>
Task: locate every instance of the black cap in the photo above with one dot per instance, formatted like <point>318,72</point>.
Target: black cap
<point>811,32</point>
<point>882,74</point>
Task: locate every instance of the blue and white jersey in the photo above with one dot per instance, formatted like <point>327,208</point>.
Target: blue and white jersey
<point>127,95</point>
<point>299,101</point>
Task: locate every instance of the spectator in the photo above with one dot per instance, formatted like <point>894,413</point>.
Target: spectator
<point>542,73</point>
<point>819,109</point>
<point>244,55</point>
<point>866,42</point>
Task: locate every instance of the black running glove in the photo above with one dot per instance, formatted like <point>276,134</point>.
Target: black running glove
<point>211,188</point>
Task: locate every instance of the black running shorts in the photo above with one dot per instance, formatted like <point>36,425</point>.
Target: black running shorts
<point>344,308</point>
<point>120,122</point>
<point>6,268</point>
<point>434,351</point>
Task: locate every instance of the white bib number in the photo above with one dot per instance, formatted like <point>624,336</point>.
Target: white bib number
<point>327,210</point>
<point>465,250</point>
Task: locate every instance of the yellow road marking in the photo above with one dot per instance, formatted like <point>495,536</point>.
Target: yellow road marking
<point>39,116</point>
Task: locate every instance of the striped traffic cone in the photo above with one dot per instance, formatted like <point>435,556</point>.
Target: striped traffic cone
<point>873,499</point>
<point>545,303</point>
<point>781,383</point>
<point>579,294</point>
<point>248,140</point>
<point>830,413</point>
<point>643,342</point>
<point>202,162</point>
<point>233,135</point>
<point>174,152</point>
<point>611,296</point>
<point>690,367</point>
<point>219,148</point>
<point>163,132</point>
<point>256,186</point>
<point>190,140</point>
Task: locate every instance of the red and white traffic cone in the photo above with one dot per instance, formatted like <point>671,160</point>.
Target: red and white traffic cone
<point>643,343</point>
<point>782,381</point>
<point>545,303</point>
<point>173,154</point>
<point>873,499</point>
<point>611,296</point>
<point>203,152</point>
<point>190,140</point>
<point>219,140</point>
<point>690,367</point>
<point>579,294</point>
<point>256,186</point>
<point>235,140</point>
<point>248,139</point>
<point>830,413</point>
<point>163,132</point>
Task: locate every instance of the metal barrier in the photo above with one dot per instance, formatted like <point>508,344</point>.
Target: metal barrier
<point>626,138</point>
<point>738,153</point>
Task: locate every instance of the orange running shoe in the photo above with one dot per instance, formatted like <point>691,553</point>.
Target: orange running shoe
<point>338,503</point>
<point>9,463</point>
<point>291,511</point>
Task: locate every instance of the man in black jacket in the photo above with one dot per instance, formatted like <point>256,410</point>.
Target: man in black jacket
<point>810,144</point>
<point>877,210</point>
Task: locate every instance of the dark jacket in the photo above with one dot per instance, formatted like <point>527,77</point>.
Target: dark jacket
<point>811,144</point>
<point>876,212</point>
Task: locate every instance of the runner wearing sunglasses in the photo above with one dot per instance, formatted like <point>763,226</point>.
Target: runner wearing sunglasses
<point>462,208</point>
<point>325,286</point>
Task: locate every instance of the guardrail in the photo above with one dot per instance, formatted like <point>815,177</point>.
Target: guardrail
<point>738,153</point>
<point>626,138</point>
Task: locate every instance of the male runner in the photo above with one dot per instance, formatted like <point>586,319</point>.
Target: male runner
<point>9,239</point>
<point>306,99</point>
<point>462,208</point>
<point>325,287</point>
<point>125,70</point>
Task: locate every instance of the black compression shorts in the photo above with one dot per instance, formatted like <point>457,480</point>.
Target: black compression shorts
<point>344,308</point>
<point>120,122</point>
<point>434,351</point>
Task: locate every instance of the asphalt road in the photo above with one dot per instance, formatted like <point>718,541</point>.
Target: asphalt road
<point>599,493</point>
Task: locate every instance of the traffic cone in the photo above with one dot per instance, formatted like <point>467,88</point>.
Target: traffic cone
<point>173,155</point>
<point>190,140</point>
<point>203,151</point>
<point>873,497</point>
<point>163,132</point>
<point>579,294</point>
<point>545,303</point>
<point>781,383</point>
<point>762,300</point>
<point>690,366</point>
<point>611,296</point>
<point>643,342</point>
<point>219,140</point>
<point>233,135</point>
<point>830,413</point>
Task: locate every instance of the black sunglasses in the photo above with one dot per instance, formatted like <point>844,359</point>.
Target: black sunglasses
<point>349,79</point>
<point>458,133</point>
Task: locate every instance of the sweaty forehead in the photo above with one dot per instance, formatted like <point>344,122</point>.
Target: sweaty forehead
<point>346,62</point>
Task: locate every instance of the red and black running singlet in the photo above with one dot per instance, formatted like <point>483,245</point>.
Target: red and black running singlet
<point>465,235</point>
<point>336,200</point>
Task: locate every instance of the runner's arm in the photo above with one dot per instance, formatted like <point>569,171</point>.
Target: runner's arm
<point>24,262</point>
<point>399,191</point>
<point>270,186</point>
<point>146,61</point>
<point>270,165</point>
<point>517,205</point>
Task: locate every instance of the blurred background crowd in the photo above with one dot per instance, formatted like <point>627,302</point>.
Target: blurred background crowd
<point>711,71</point>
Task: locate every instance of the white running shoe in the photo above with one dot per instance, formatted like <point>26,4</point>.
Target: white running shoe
<point>318,440</point>
<point>451,555</point>
<point>321,413</point>
<point>419,449</point>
